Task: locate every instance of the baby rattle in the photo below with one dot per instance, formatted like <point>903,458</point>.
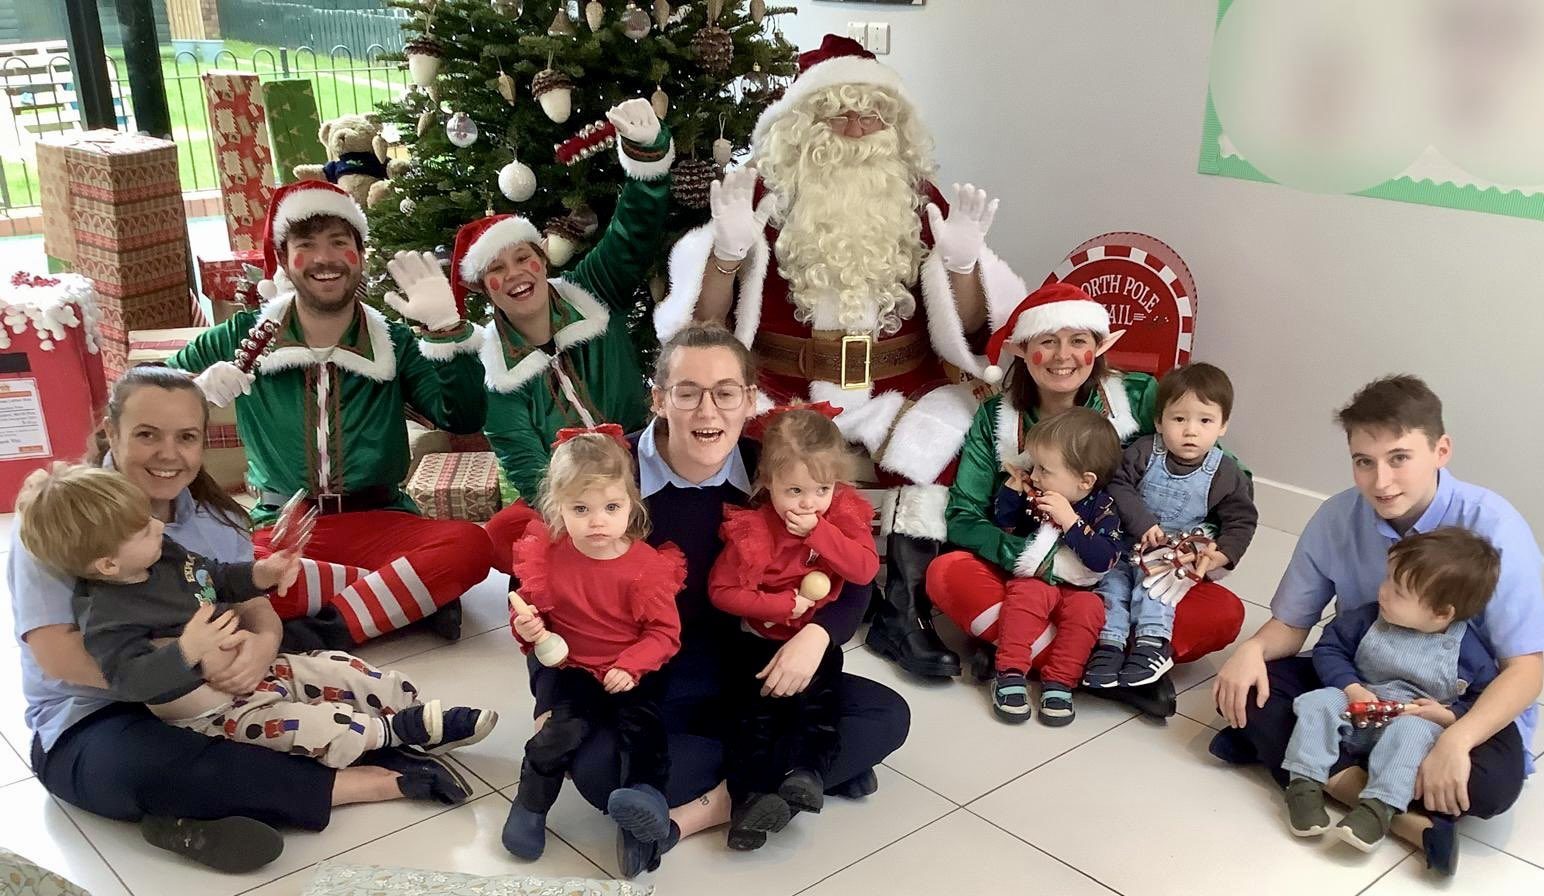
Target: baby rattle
<point>813,587</point>
<point>550,648</point>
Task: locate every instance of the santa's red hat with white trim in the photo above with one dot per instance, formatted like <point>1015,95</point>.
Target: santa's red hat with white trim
<point>838,60</point>
<point>479,243</point>
<point>296,202</point>
<point>1052,307</point>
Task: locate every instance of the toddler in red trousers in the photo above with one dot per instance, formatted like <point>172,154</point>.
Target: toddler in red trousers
<point>590,578</point>
<point>1049,617</point>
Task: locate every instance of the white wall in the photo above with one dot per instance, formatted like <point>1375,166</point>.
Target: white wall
<point>1085,116</point>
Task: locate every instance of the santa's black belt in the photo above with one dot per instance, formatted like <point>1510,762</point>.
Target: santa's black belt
<point>374,497</point>
<point>850,361</point>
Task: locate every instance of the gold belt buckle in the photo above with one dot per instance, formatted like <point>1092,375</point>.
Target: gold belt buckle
<point>867,341</point>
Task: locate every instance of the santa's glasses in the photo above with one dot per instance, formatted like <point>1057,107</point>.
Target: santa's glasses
<point>688,396</point>
<point>868,122</point>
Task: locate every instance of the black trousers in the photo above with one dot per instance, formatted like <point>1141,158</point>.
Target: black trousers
<point>124,763</point>
<point>580,706</point>
<point>772,736</point>
<point>1496,766</point>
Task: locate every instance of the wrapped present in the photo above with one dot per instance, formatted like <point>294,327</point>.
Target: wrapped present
<point>239,129</point>
<point>223,280</point>
<point>51,384</point>
<point>456,486</point>
<point>225,458</point>
<point>292,126</point>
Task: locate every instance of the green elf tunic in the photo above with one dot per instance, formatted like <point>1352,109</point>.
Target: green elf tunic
<point>996,436</point>
<point>331,420</point>
<point>589,373</point>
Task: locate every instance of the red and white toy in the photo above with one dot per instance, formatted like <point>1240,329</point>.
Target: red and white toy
<point>1374,714</point>
<point>1168,570</point>
<point>591,139</point>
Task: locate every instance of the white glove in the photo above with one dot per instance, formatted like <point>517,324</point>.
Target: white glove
<point>1168,588</point>
<point>958,240</point>
<point>635,121</point>
<point>736,223</point>
<point>224,382</point>
<point>429,300</point>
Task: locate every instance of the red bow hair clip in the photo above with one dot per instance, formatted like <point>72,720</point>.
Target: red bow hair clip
<point>757,427</point>
<point>610,430</point>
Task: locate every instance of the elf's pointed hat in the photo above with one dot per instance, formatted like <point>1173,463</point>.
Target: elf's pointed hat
<point>296,202</point>
<point>1052,307</point>
<point>479,243</point>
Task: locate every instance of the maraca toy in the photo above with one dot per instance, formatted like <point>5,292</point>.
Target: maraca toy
<point>813,587</point>
<point>550,648</point>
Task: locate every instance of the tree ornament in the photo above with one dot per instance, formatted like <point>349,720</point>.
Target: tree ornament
<point>595,14</point>
<point>715,49</point>
<point>635,22</point>
<point>561,237</point>
<point>585,219</point>
<point>591,139</point>
<point>425,121</point>
<point>517,181</point>
<point>424,55</point>
<point>691,180</point>
<point>507,87</point>
<point>661,13</point>
<point>461,130</point>
<point>508,8</point>
<point>554,90</point>
<point>407,206</point>
<point>758,10</point>
<point>723,150</point>
<point>562,25</point>
<point>660,101</point>
<point>434,92</point>
<point>715,9</point>
<point>391,133</point>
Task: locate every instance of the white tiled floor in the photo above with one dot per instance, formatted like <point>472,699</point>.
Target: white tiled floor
<point>1112,803</point>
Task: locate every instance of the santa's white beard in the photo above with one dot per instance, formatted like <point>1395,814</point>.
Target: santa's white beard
<point>850,241</point>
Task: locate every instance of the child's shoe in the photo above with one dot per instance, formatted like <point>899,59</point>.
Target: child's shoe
<point>754,817</point>
<point>1104,665</point>
<point>525,832</point>
<point>1150,658</point>
<point>803,791</point>
<point>1305,808</point>
<point>1010,697</point>
<point>1056,704</point>
<point>1367,824</point>
<point>437,729</point>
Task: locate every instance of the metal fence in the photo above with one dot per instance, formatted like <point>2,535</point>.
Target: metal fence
<point>321,23</point>
<point>37,99</point>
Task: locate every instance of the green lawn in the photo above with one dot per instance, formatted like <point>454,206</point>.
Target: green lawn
<point>342,86</point>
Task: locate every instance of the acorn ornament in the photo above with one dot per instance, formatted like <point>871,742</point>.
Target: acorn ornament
<point>554,90</point>
<point>660,101</point>
<point>714,48</point>
<point>517,181</point>
<point>661,13</point>
<point>758,10</point>
<point>424,56</point>
<point>561,237</point>
<point>507,87</point>
<point>595,15</point>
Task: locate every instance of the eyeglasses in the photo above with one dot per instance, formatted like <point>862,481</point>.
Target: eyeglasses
<point>688,396</point>
<point>869,122</point>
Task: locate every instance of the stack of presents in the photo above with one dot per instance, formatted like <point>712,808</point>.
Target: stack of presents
<point>118,291</point>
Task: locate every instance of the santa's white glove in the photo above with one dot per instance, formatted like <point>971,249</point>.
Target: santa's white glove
<point>959,239</point>
<point>736,223</point>
<point>429,300</point>
<point>1168,588</point>
<point>635,121</point>
<point>223,383</point>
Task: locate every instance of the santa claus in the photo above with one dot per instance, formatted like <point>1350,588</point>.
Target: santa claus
<point>837,260</point>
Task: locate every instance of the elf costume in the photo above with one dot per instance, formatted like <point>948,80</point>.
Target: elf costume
<point>968,585</point>
<point>330,421</point>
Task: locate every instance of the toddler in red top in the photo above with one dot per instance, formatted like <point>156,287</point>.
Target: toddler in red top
<point>586,571</point>
<point>782,561</point>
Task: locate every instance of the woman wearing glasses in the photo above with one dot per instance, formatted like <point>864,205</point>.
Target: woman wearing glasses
<point>691,462</point>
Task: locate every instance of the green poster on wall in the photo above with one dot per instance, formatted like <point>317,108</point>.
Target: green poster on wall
<point>1435,102</point>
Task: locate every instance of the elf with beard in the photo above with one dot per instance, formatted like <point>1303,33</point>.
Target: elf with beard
<point>836,259</point>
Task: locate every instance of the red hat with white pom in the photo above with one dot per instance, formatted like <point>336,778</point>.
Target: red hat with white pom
<point>1055,306</point>
<point>479,243</point>
<point>837,61</point>
<point>296,202</point>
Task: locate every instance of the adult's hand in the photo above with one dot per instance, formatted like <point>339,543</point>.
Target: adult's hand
<point>254,653</point>
<point>959,238</point>
<point>223,382</point>
<point>1244,671</point>
<point>736,222</point>
<point>635,121</point>
<point>795,663</point>
<point>429,301</point>
<point>1442,783</point>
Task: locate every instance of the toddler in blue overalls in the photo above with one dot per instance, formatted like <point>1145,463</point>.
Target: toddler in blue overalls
<point>1415,647</point>
<point>1170,483</point>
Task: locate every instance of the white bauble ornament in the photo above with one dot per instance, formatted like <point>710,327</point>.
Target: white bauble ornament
<point>595,14</point>
<point>407,206</point>
<point>635,22</point>
<point>461,130</point>
<point>517,181</point>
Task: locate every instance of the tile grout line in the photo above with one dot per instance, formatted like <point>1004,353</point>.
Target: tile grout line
<point>1052,759</point>
<point>865,857</point>
<point>1052,856</point>
<point>89,842</point>
<point>956,803</point>
<point>1390,870</point>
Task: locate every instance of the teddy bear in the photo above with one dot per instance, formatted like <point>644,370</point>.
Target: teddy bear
<point>358,158</point>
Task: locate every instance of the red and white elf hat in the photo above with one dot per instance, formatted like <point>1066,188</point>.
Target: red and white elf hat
<point>1055,306</point>
<point>479,243</point>
<point>838,60</point>
<point>293,203</point>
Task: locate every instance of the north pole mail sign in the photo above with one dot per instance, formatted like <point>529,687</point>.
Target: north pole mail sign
<point>1148,291</point>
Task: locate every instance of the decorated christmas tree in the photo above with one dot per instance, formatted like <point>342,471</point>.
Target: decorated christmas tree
<point>502,83</point>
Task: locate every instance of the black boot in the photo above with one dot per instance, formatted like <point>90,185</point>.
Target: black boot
<point>902,630</point>
<point>324,631</point>
<point>446,621</point>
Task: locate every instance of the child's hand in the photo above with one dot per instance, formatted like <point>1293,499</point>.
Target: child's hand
<point>801,605</point>
<point>800,524</point>
<point>617,681</point>
<point>529,627</point>
<point>1058,508</point>
<point>277,572</point>
<point>1208,560</point>
<point>1152,538</point>
<point>1356,693</point>
<point>203,633</point>
<point>1431,710</point>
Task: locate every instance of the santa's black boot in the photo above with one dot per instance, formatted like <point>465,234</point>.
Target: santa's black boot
<point>902,629</point>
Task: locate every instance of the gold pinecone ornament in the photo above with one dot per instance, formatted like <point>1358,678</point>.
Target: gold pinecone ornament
<point>690,181</point>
